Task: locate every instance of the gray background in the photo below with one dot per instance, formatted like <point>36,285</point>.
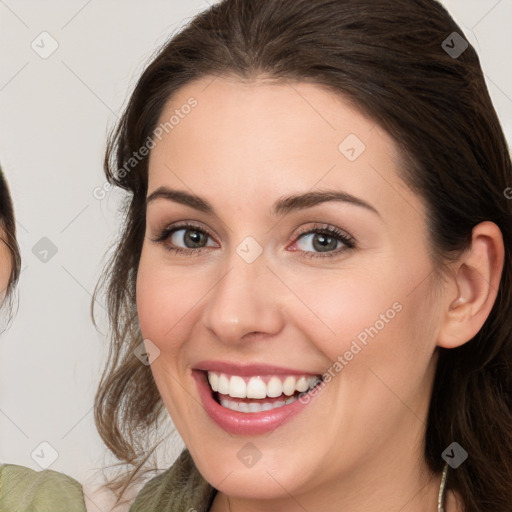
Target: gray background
<point>56,113</point>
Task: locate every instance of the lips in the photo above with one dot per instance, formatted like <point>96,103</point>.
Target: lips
<point>253,399</point>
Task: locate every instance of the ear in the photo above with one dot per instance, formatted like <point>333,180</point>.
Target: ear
<point>477,277</point>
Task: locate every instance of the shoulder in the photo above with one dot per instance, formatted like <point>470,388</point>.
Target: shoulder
<point>23,489</point>
<point>180,488</point>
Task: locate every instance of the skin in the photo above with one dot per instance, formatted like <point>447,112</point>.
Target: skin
<point>5,266</point>
<point>359,443</point>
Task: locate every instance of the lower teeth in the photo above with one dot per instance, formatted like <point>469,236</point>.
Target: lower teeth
<point>254,406</point>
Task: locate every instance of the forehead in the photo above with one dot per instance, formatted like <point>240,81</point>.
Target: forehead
<point>244,138</point>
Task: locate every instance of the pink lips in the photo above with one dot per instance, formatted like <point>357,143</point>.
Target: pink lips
<point>248,369</point>
<point>240,423</point>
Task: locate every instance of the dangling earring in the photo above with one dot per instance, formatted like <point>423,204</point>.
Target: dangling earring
<point>440,497</point>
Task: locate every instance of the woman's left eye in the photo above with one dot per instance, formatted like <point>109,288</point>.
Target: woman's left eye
<point>324,239</point>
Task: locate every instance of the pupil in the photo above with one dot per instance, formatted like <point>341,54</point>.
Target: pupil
<point>323,242</point>
<point>194,236</point>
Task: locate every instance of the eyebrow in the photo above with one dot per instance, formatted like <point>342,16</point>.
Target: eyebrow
<point>282,206</point>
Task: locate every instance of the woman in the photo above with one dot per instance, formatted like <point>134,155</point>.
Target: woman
<point>316,259</point>
<point>23,489</point>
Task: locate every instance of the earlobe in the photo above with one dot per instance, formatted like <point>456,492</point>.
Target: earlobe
<point>477,278</point>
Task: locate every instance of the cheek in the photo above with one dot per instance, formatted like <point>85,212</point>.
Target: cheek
<point>335,309</point>
<point>164,303</point>
<point>370,320</point>
<point>165,298</point>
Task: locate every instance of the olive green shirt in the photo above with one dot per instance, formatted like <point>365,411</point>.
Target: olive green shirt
<point>180,489</point>
<point>25,490</point>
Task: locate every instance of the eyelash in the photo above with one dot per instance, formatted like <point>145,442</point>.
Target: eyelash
<point>330,231</point>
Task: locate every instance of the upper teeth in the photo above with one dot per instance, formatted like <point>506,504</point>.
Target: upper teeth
<point>259,387</point>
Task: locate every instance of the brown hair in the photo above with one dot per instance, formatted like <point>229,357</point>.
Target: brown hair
<point>390,60</point>
<point>8,231</point>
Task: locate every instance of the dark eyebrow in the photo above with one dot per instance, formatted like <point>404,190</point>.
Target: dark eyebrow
<point>281,207</point>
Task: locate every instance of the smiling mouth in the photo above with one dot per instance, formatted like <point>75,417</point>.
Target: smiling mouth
<point>254,394</point>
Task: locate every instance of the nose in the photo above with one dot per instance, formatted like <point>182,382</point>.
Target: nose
<point>245,302</point>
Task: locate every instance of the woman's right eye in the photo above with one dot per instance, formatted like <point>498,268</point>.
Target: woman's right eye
<point>187,234</point>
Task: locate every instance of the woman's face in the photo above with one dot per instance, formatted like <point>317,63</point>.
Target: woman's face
<point>255,285</point>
